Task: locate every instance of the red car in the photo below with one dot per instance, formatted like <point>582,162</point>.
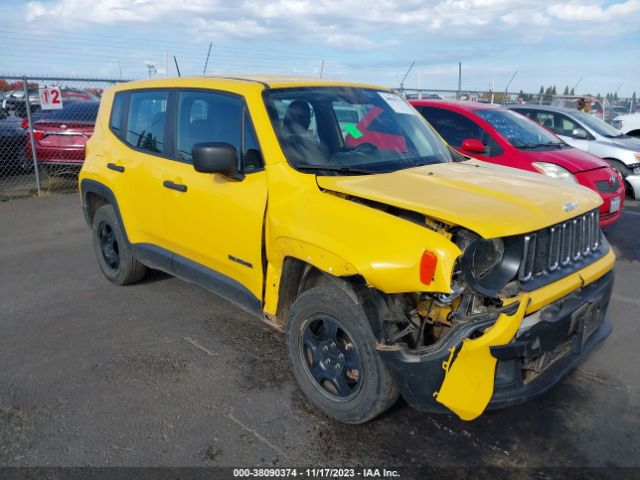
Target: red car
<point>61,136</point>
<point>497,135</point>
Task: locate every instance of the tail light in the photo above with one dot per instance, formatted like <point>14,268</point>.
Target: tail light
<point>38,134</point>
<point>25,123</point>
<point>427,267</point>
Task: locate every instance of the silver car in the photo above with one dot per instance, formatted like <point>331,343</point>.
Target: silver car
<point>588,133</point>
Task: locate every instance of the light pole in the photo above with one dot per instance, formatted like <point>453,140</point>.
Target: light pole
<point>152,68</point>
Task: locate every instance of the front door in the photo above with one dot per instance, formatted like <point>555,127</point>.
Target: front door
<point>215,223</point>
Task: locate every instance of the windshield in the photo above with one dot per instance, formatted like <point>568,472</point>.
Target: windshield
<point>518,130</point>
<point>351,130</point>
<point>597,125</point>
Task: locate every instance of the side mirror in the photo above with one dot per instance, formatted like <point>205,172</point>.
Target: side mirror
<point>473,145</point>
<point>216,157</point>
<point>579,133</point>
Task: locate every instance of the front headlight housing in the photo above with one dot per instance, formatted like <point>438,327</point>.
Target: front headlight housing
<point>554,171</point>
<point>489,265</point>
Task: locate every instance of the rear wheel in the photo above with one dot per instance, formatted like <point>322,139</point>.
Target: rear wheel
<point>114,255</point>
<point>334,359</point>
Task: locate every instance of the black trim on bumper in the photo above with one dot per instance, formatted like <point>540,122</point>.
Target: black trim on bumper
<point>567,332</point>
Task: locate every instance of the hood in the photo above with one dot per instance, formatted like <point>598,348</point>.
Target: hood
<point>491,200</point>
<point>629,143</point>
<point>572,159</point>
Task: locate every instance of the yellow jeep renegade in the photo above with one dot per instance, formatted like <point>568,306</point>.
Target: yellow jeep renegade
<point>334,212</point>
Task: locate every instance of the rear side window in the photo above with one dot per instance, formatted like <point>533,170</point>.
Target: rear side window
<point>557,123</point>
<point>452,126</point>
<point>208,117</point>
<point>145,123</point>
<point>77,112</point>
<point>117,111</point>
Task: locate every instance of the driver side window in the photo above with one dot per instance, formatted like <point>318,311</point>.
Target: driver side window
<point>565,125</point>
<point>557,123</point>
<point>451,126</point>
<point>207,117</point>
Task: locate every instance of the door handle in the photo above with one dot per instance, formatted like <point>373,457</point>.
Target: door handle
<point>174,186</point>
<point>117,168</point>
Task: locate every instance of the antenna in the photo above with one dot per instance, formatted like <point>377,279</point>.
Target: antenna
<point>177,67</point>
<point>204,72</point>
<point>321,68</point>
<point>405,76</point>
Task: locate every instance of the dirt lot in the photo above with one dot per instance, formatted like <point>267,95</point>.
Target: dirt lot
<point>164,373</point>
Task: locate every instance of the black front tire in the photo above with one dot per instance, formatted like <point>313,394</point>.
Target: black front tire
<point>366,393</point>
<point>112,251</point>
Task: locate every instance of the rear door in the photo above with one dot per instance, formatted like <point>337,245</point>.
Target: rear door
<point>215,223</point>
<point>135,164</point>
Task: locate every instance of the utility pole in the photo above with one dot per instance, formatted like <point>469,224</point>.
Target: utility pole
<point>459,81</point>
<point>321,68</point>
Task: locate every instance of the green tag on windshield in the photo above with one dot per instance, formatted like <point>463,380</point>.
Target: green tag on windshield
<point>353,130</point>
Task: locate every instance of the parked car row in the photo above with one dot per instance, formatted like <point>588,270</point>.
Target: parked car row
<point>497,135</point>
<point>588,133</point>
<point>59,136</point>
<point>13,102</point>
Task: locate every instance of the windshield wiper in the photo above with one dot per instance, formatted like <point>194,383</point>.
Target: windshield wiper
<point>335,168</point>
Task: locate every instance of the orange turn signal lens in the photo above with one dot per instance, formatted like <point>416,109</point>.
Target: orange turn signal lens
<point>427,267</point>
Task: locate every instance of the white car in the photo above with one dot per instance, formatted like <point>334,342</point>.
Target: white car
<point>586,132</point>
<point>628,124</point>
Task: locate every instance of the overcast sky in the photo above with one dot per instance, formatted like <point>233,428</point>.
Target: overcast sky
<point>546,42</point>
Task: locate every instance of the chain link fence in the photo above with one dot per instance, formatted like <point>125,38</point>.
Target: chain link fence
<point>45,123</point>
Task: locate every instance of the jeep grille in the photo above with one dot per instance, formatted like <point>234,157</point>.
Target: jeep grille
<point>563,246</point>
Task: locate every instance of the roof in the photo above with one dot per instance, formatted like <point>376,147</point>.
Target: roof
<point>457,104</point>
<point>238,82</point>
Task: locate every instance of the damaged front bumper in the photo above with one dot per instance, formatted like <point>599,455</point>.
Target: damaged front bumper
<point>500,360</point>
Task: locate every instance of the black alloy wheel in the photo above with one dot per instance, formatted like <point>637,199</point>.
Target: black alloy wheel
<point>331,357</point>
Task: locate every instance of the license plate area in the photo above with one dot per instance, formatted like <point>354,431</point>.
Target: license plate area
<point>614,205</point>
<point>583,323</point>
